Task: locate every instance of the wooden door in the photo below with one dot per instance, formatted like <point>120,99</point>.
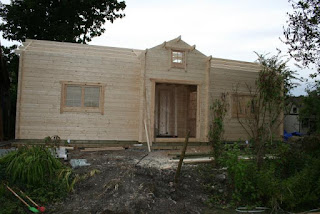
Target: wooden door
<point>164,112</point>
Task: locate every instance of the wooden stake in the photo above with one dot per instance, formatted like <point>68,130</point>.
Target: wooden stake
<point>147,135</point>
<point>183,152</point>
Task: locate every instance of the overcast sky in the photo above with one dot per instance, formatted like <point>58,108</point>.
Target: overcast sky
<point>230,29</point>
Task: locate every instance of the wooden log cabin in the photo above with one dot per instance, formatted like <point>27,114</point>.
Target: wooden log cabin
<point>95,93</point>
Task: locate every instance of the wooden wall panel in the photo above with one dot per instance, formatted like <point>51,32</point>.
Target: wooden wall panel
<point>158,69</point>
<point>129,77</point>
<point>46,64</point>
<point>227,79</point>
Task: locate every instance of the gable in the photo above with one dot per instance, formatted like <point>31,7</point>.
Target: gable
<point>176,59</point>
<point>178,44</point>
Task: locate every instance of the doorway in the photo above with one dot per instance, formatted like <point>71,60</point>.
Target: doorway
<point>175,110</point>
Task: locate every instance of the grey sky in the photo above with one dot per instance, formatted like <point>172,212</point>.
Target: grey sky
<point>231,29</point>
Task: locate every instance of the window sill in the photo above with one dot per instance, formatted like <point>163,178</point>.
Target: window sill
<point>79,109</point>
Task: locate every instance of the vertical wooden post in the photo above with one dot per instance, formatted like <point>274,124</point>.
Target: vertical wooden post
<point>147,135</point>
<point>183,152</point>
<point>206,128</point>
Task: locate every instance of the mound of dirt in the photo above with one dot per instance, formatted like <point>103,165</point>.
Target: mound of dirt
<point>129,184</point>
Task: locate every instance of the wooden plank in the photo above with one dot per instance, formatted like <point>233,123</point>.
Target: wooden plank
<point>147,135</point>
<point>195,160</point>
<point>184,82</point>
<point>102,149</point>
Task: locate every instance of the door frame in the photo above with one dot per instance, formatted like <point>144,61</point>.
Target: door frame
<point>154,81</point>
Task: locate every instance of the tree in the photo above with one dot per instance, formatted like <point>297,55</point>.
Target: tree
<point>303,32</point>
<point>58,20</point>
<point>311,109</point>
<point>9,67</point>
<point>260,113</point>
<point>218,109</point>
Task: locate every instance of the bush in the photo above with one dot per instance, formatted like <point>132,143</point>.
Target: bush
<point>303,189</point>
<point>35,171</point>
<point>242,177</point>
<point>32,166</point>
<point>291,180</point>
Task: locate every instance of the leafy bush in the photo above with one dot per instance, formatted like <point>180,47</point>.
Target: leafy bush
<point>35,171</point>
<point>242,177</point>
<point>290,180</point>
<point>31,165</point>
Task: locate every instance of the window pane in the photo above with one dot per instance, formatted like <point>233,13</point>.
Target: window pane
<point>177,57</point>
<point>73,97</point>
<point>91,96</point>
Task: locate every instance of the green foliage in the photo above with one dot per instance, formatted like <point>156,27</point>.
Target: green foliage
<point>311,108</point>
<point>53,141</point>
<point>242,175</point>
<point>219,109</point>
<point>290,180</point>
<point>9,204</point>
<point>35,171</point>
<point>64,20</point>
<point>31,165</point>
<point>303,188</point>
<point>267,103</point>
<point>303,32</point>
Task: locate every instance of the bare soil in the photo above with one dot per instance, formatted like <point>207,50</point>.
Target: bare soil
<point>127,184</point>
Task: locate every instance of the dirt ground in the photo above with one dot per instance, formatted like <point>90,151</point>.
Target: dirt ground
<point>127,184</point>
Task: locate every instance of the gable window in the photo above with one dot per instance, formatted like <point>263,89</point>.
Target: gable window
<point>242,105</point>
<point>82,97</point>
<point>178,59</point>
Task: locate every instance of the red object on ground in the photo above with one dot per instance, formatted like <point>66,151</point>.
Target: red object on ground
<point>41,209</point>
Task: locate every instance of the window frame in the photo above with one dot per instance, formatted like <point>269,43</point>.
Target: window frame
<point>181,65</point>
<point>82,108</point>
<point>249,109</point>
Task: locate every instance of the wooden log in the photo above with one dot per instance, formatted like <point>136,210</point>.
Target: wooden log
<point>195,160</point>
<point>183,152</point>
<point>67,147</point>
<point>102,149</point>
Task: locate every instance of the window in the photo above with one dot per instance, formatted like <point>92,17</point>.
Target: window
<point>178,59</point>
<point>82,97</point>
<point>242,105</point>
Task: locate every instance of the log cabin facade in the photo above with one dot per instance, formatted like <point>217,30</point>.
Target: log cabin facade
<point>85,92</point>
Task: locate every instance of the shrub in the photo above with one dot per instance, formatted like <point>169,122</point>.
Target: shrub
<point>242,177</point>
<point>32,166</point>
<point>35,171</point>
<point>290,181</point>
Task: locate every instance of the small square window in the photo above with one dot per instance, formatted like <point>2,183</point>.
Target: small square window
<point>177,59</point>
